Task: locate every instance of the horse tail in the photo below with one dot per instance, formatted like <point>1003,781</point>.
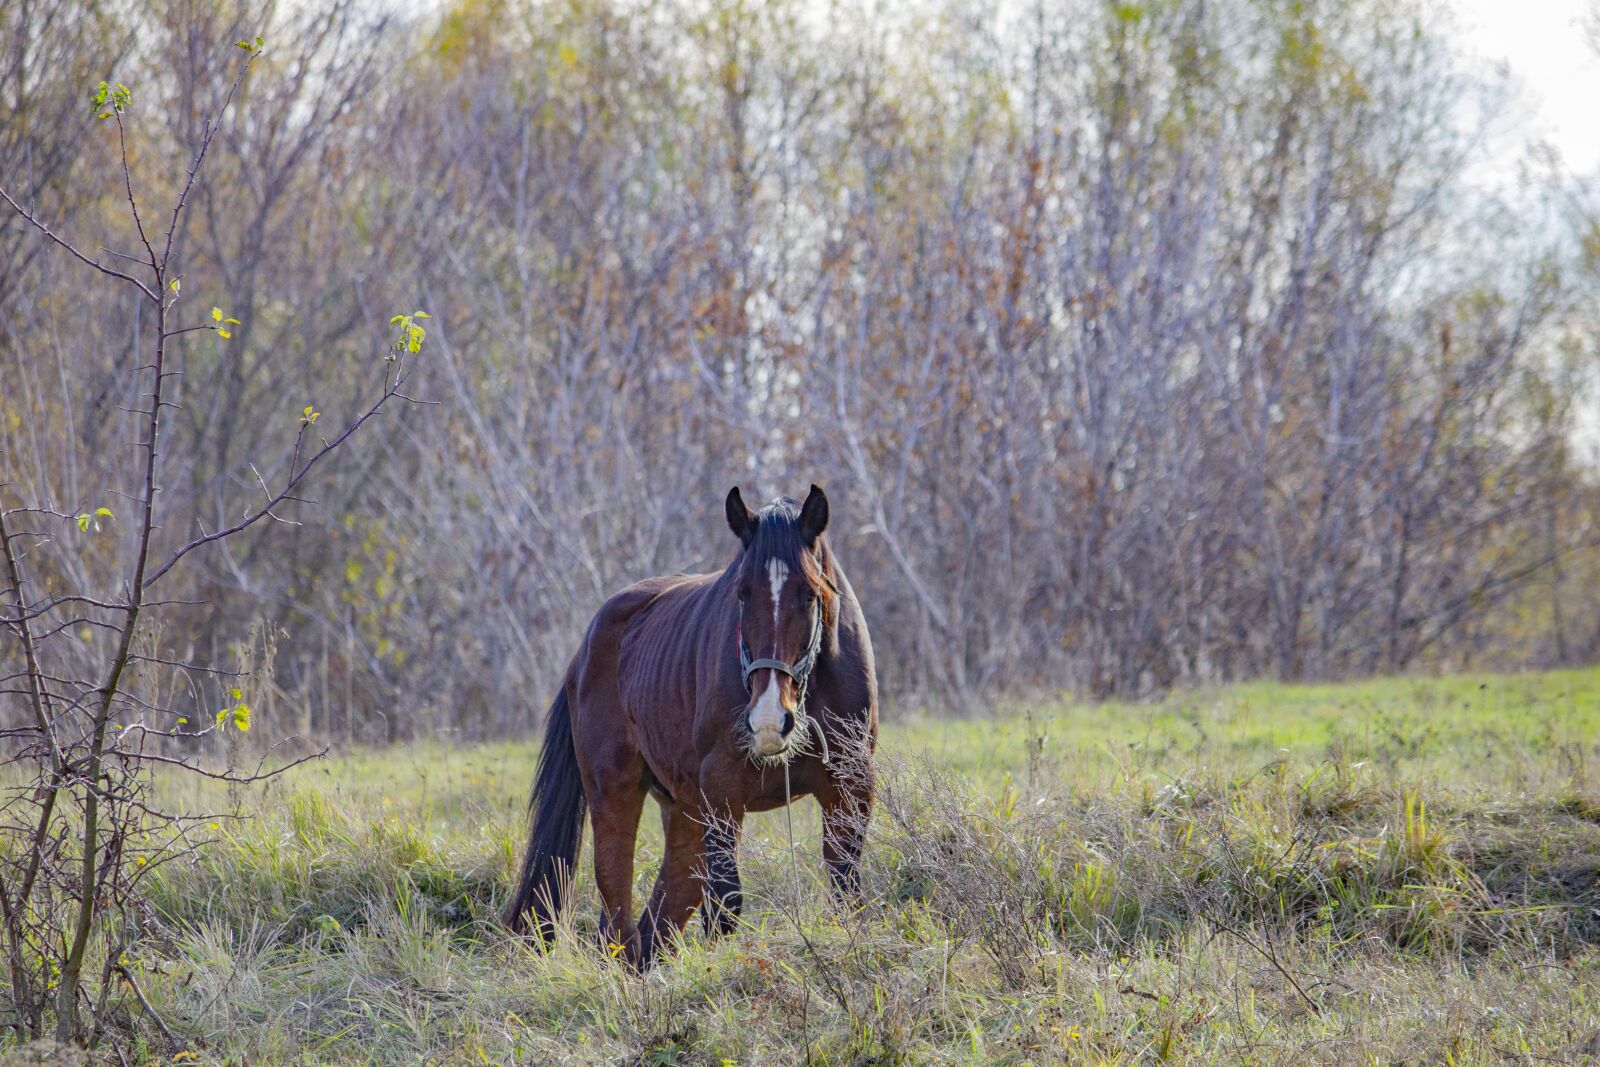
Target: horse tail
<point>557,805</point>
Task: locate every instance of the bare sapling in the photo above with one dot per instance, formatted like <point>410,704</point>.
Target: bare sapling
<point>104,708</point>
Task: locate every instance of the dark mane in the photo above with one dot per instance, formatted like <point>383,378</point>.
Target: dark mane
<point>778,537</point>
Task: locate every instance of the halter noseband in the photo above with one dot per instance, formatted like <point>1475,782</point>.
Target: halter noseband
<point>800,670</point>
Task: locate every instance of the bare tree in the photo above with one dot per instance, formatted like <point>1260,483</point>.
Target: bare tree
<point>1142,345</point>
<point>91,672</point>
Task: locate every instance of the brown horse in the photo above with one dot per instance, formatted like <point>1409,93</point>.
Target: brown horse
<point>702,691</point>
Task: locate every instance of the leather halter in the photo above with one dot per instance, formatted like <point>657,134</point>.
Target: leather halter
<point>800,670</point>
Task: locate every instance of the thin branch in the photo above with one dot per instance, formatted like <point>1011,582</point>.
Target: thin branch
<point>230,775</point>
<point>1271,957</point>
<point>101,267</point>
<point>51,605</point>
<point>212,126</point>
<point>296,477</point>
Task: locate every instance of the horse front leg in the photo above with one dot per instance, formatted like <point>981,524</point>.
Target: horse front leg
<point>846,808</point>
<point>724,897</point>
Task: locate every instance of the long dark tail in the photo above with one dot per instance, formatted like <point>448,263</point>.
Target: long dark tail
<point>558,807</point>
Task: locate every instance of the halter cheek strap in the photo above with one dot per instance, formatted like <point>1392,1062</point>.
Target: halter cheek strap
<point>800,670</point>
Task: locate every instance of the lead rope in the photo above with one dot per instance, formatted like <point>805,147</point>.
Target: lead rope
<point>788,818</point>
<point>821,736</point>
<point>794,873</point>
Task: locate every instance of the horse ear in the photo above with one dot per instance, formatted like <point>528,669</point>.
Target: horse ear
<point>814,515</point>
<point>740,520</point>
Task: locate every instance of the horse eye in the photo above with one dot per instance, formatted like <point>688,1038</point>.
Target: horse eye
<point>744,593</point>
<point>809,596</point>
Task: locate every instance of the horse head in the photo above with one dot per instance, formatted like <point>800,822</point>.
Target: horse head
<point>786,601</point>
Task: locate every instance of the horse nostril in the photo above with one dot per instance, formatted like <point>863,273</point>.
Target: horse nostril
<point>788,723</point>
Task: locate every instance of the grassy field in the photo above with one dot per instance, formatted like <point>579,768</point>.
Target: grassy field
<point>1399,871</point>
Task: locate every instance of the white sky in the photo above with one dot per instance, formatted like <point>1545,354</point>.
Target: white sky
<point>1544,48</point>
<point>1555,72</point>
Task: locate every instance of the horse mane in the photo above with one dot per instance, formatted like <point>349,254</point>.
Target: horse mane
<point>778,537</point>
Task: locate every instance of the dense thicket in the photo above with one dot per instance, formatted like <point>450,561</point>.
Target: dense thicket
<point>1137,344</point>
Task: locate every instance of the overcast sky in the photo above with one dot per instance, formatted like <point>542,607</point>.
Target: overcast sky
<point>1547,54</point>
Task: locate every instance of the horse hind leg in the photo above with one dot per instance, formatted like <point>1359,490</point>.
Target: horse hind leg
<point>616,830</point>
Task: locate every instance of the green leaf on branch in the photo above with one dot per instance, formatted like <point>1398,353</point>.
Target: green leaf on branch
<point>239,711</point>
<point>410,334</point>
<point>117,96</point>
<point>222,324</point>
<point>88,519</point>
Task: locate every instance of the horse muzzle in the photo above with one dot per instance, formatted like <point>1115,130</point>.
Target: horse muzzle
<point>771,724</point>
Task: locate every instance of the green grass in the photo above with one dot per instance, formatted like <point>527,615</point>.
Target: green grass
<point>1493,728</point>
<point>1384,872</point>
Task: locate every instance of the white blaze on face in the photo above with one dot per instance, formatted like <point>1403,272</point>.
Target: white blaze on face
<point>767,714</point>
<point>777,571</point>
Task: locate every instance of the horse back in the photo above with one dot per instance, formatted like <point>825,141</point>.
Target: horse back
<point>640,658</point>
